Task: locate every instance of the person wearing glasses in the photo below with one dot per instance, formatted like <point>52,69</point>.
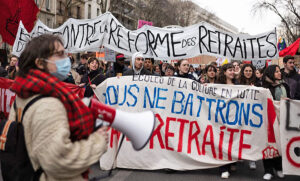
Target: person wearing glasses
<point>59,129</point>
<point>170,70</point>
<point>137,64</point>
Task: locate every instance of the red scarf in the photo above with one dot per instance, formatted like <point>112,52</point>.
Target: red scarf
<point>81,120</point>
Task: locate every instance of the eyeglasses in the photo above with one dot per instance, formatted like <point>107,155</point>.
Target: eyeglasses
<point>60,54</point>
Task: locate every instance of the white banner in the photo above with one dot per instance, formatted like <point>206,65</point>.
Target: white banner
<point>197,126</point>
<point>290,136</point>
<point>159,43</point>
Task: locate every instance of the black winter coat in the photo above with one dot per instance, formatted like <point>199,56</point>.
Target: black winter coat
<point>96,77</point>
<point>293,81</point>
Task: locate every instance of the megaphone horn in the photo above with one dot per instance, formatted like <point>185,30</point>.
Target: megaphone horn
<point>138,127</point>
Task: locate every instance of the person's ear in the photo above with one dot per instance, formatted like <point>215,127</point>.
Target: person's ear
<point>39,63</point>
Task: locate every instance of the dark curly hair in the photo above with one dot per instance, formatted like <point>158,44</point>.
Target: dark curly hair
<point>245,81</point>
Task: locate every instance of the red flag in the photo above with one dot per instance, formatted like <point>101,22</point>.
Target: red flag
<point>11,12</point>
<point>290,50</point>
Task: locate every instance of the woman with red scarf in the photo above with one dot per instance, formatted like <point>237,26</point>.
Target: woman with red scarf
<point>58,128</point>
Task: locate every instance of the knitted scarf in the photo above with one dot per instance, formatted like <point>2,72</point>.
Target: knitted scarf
<point>81,120</point>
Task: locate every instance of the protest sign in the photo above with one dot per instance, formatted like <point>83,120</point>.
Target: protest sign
<point>109,55</point>
<point>7,97</point>
<point>141,23</point>
<point>259,64</point>
<point>290,136</point>
<point>197,126</point>
<point>159,43</point>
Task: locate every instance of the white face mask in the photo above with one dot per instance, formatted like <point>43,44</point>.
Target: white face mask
<point>63,67</point>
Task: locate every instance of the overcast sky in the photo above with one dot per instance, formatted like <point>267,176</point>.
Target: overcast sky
<point>238,13</point>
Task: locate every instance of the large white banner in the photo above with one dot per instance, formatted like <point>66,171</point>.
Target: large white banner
<point>197,126</point>
<point>290,136</point>
<point>159,43</point>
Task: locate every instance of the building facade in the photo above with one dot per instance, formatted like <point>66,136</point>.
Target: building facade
<point>54,13</point>
<point>125,15</point>
<point>215,21</point>
<point>64,10</point>
<point>92,9</point>
<point>47,12</point>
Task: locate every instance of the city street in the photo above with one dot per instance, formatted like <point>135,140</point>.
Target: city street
<point>243,173</point>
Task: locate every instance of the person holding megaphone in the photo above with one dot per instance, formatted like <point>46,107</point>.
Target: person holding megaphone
<point>59,128</point>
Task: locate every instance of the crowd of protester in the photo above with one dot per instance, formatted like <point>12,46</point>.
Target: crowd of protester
<point>282,83</point>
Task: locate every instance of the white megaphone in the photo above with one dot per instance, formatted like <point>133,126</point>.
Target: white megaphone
<point>138,127</point>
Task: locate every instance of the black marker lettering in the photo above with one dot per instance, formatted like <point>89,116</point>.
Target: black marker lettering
<point>238,45</point>
<point>201,37</point>
<point>251,39</point>
<point>129,40</point>
<point>158,38</point>
<point>210,41</point>
<point>174,43</point>
<point>259,46</point>
<point>227,43</point>
<point>275,47</point>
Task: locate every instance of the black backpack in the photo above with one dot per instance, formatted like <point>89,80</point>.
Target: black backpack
<point>15,162</point>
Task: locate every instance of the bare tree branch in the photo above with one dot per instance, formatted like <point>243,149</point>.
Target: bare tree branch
<point>286,10</point>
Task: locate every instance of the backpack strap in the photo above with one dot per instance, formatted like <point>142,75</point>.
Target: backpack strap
<point>32,101</point>
<point>26,106</point>
<point>40,170</point>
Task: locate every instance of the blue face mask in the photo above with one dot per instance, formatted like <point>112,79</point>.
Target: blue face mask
<point>63,67</point>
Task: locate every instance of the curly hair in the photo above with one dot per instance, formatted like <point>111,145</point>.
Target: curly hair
<point>245,81</point>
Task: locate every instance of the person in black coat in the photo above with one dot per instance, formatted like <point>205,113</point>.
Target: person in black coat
<point>82,68</point>
<point>118,67</point>
<point>259,74</point>
<point>12,68</point>
<point>272,80</point>
<point>291,77</point>
<point>227,76</point>
<point>183,70</point>
<point>92,78</point>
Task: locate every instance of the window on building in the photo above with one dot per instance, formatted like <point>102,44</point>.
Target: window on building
<point>47,5</point>
<point>98,11</point>
<point>78,12</point>
<point>60,7</point>
<point>89,11</point>
<point>48,23</point>
<point>70,11</point>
